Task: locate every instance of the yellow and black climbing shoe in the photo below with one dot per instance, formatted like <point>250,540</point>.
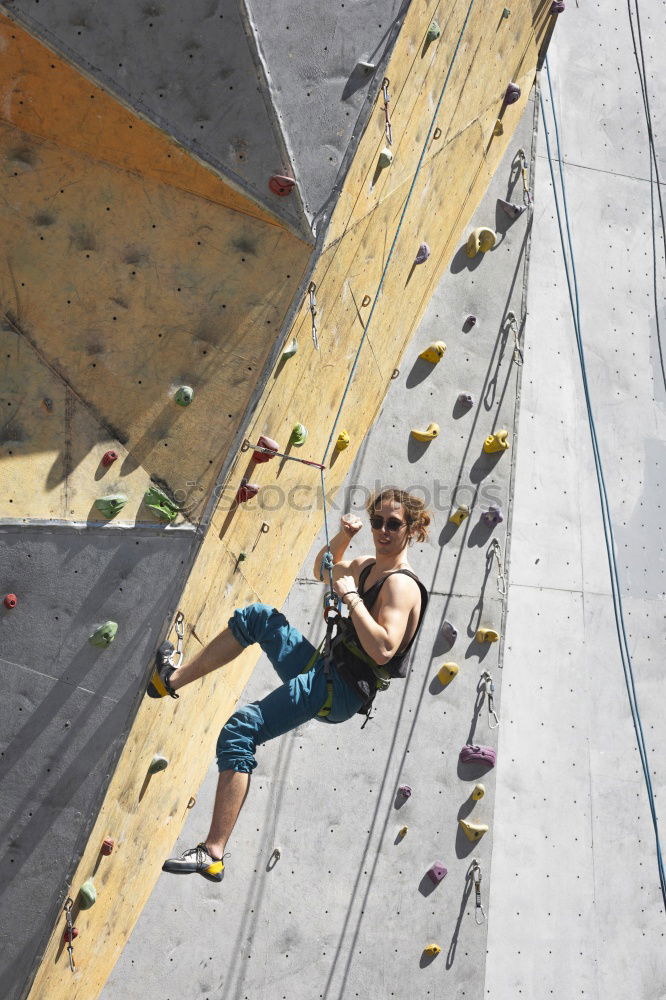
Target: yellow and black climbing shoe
<point>197,859</point>
<point>158,685</point>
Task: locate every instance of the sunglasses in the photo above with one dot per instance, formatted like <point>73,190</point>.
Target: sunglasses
<point>392,523</point>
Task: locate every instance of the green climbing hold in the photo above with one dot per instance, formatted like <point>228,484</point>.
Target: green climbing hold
<point>104,635</point>
<point>298,435</point>
<point>111,505</point>
<point>158,763</point>
<point>434,31</point>
<point>385,157</point>
<point>506,12</point>
<point>290,350</point>
<point>87,895</point>
<point>160,504</point>
<point>184,395</point>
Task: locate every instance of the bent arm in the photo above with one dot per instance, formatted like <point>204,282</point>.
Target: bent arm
<point>339,545</point>
<point>381,637</point>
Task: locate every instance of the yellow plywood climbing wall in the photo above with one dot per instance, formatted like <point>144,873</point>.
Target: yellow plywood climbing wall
<point>144,815</point>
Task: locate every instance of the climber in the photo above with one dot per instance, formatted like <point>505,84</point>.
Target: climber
<point>386,603</point>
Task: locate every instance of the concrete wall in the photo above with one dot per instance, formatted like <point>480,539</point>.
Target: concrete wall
<point>348,908</point>
<point>575,903</point>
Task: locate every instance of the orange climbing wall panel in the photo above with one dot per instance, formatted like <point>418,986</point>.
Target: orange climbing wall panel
<point>145,817</point>
<point>125,281</point>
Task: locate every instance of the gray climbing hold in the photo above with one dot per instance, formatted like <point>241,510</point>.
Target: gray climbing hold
<point>449,632</point>
<point>512,210</point>
<point>465,399</point>
<point>158,763</point>
<point>104,635</point>
<point>385,157</point>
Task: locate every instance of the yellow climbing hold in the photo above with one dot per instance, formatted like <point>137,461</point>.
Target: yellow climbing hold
<point>385,157</point>
<point>480,239</point>
<point>473,831</point>
<point>487,635</point>
<point>496,442</point>
<point>460,514</point>
<point>478,792</point>
<point>434,353</point>
<point>402,832</point>
<point>342,442</point>
<point>447,672</point>
<point>432,949</point>
<point>498,128</point>
<point>431,432</point>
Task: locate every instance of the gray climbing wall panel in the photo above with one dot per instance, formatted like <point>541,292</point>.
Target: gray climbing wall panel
<point>66,704</point>
<point>252,90</point>
<point>576,909</point>
<point>348,909</point>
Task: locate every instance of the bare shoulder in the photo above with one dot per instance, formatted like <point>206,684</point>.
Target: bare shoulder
<point>400,590</point>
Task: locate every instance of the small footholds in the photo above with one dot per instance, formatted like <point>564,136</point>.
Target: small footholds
<point>470,321</point>
<point>276,854</point>
<point>405,791</point>
<point>499,441</point>
<point>422,254</point>
<point>366,67</point>
<point>87,895</point>
<point>366,301</point>
<point>429,434</point>
<point>506,13</point>
<point>107,846</point>
<point>434,352</point>
<point>342,441</point>
<point>473,753</point>
<point>498,127</point>
<point>298,436</point>
<point>290,350</point>
<point>111,505</point>
<point>449,632</point>
<point>10,601</point>
<point>47,404</point>
<point>402,832</point>
<point>447,672</point>
<point>487,635</point>
<point>281,185</point>
<point>473,831</point>
<point>465,399</point>
<point>161,505</point>
<point>432,949</point>
<point>437,134</point>
<point>459,515</point>
<point>557,7</point>
<point>433,32</point>
<point>184,395</point>
<point>269,445</point>
<point>104,635</point>
<point>512,93</point>
<point>246,491</point>
<point>437,872</point>
<point>478,792</point>
<point>492,516</point>
<point>511,209</point>
<point>158,763</point>
<point>242,556</point>
<point>480,240</point>
<point>385,157</point>
<point>109,457</point>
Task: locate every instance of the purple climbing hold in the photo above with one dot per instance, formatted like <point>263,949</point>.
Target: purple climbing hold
<point>449,632</point>
<point>557,7</point>
<point>469,322</point>
<point>492,516</point>
<point>423,254</point>
<point>436,872</point>
<point>405,791</point>
<point>472,754</point>
<point>512,93</point>
<point>465,399</point>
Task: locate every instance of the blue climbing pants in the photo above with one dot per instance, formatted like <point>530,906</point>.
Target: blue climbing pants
<point>299,698</point>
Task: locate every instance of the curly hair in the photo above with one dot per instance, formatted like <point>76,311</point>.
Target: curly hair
<point>414,507</point>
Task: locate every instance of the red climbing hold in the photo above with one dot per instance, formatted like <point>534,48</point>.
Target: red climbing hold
<point>246,491</point>
<point>109,457</point>
<point>265,442</point>
<point>281,185</point>
<point>107,846</point>
<point>66,936</point>
<point>10,601</point>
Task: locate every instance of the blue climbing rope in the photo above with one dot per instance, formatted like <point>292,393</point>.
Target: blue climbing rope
<point>572,285</point>
<point>383,276</point>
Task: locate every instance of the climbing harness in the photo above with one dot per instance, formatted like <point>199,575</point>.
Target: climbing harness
<point>495,552</point>
<point>279,454</point>
<point>312,288</point>
<point>512,324</point>
<point>69,932</point>
<point>475,875</point>
<point>489,690</point>
<point>527,197</point>
<point>387,115</point>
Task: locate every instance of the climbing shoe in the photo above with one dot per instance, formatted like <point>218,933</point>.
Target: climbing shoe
<point>197,859</point>
<point>158,685</point>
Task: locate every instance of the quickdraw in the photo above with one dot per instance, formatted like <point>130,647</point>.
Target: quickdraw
<point>512,324</point>
<point>246,445</point>
<point>489,689</point>
<point>527,197</point>
<point>313,309</point>
<point>475,875</point>
<point>495,552</point>
<point>69,933</point>
<point>387,114</point>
